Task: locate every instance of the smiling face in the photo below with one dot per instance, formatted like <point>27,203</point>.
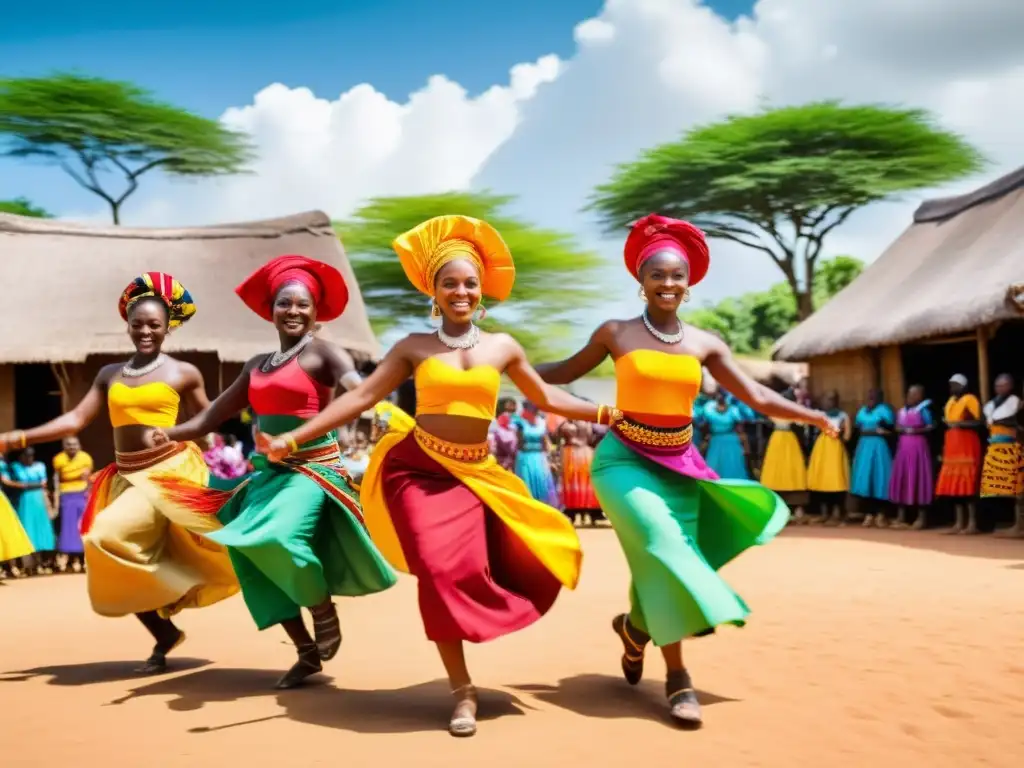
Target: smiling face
<point>294,310</point>
<point>457,290</point>
<point>665,278</point>
<point>147,325</point>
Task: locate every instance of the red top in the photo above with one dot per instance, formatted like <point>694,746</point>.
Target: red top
<point>287,391</point>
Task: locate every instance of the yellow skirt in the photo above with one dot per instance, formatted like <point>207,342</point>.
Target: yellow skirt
<point>137,559</point>
<point>549,536</point>
<point>14,542</point>
<point>829,468</point>
<point>783,470</point>
<point>1002,474</point>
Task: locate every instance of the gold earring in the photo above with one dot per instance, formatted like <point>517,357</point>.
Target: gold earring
<point>483,311</point>
<point>435,311</point>
<point>686,294</point>
<point>643,296</point>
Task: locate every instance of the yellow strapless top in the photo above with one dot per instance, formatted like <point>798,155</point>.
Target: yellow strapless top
<point>151,405</point>
<point>657,383</point>
<point>444,389</point>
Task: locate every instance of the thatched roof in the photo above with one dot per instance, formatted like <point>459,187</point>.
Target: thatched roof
<point>959,265</point>
<point>62,282</point>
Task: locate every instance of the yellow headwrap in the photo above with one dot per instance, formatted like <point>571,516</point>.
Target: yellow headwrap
<point>427,247</point>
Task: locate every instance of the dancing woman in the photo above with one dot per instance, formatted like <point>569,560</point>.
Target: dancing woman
<point>294,529</point>
<point>137,560</point>
<point>677,522</point>
<point>489,559</point>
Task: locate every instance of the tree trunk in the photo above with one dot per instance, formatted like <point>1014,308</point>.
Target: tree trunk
<point>115,211</point>
<point>804,305</point>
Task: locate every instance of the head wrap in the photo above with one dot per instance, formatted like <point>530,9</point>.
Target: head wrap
<point>655,233</point>
<point>426,248</point>
<point>162,286</point>
<point>324,282</point>
<point>958,378</point>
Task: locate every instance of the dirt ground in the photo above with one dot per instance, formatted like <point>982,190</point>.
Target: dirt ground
<point>871,648</point>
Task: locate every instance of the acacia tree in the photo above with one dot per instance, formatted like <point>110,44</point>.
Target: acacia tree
<point>23,207</point>
<point>780,181</point>
<point>554,277</point>
<point>92,128</point>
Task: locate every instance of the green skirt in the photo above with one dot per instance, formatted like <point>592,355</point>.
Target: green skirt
<point>676,532</point>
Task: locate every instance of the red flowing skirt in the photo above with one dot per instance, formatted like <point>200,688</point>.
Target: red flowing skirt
<point>476,580</point>
<point>961,463</point>
<point>577,490</point>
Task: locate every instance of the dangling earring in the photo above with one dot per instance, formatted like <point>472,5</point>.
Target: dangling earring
<point>435,310</point>
<point>643,296</point>
<point>686,294</point>
<point>483,311</point>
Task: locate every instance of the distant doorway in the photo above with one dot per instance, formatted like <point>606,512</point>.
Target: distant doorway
<point>37,400</point>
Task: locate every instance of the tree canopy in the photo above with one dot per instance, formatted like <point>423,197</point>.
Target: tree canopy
<point>92,128</point>
<point>23,207</point>
<point>554,277</point>
<point>779,181</point>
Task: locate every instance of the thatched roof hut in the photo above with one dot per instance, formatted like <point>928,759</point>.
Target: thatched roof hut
<point>957,269</point>
<point>62,282</point>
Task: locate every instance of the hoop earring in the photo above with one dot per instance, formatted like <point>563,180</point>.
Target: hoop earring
<point>686,294</point>
<point>643,296</point>
<point>483,311</point>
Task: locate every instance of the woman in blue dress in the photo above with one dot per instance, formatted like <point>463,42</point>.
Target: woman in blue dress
<point>872,462</point>
<point>29,477</point>
<point>725,448</point>
<point>532,464</point>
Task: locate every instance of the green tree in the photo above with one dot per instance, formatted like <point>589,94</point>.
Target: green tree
<point>92,128</point>
<point>781,180</point>
<point>22,207</point>
<point>554,277</point>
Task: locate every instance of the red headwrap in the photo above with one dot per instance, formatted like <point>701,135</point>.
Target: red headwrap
<point>655,233</point>
<point>324,282</point>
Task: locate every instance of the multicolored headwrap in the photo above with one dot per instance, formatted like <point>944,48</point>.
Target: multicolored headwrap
<point>324,282</point>
<point>163,286</point>
<point>425,248</point>
<point>655,233</point>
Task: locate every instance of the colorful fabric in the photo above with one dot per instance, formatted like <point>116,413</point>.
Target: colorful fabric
<point>32,507</point>
<point>72,507</point>
<point>961,449</point>
<point>224,463</point>
<point>828,470</point>
<point>872,461</point>
<point>323,281</point>
<point>14,542</point>
<point>725,448</point>
<point>160,285</point>
<point>421,531</point>
<point>427,247</point>
<point>503,439</point>
<point>912,481</point>
<point>532,465</point>
<point>1002,475</point>
<point>677,530</point>
<point>72,473</point>
<point>654,233</point>
<point>577,488</point>
<point>138,558</point>
<point>784,469</point>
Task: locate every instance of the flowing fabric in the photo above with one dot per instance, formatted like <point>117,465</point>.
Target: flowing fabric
<point>725,448</point>
<point>14,542</point>
<point>137,557</point>
<point>872,461</point>
<point>577,487</point>
<point>961,450</point>
<point>532,465</point>
<point>32,508</point>
<point>489,558</point>
<point>678,525</point>
<point>912,481</point>
<point>828,470</point>
<point>294,530</point>
<point>783,469</point>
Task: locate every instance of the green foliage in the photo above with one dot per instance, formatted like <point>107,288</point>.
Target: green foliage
<point>781,180</point>
<point>553,276</point>
<point>751,323</point>
<point>20,206</point>
<point>91,127</point>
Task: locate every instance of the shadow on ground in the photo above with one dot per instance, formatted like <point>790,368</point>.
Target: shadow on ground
<point>986,545</point>
<point>95,672</point>
<point>423,707</point>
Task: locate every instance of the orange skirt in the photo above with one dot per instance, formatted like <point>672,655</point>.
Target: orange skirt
<point>577,492</point>
<point>961,462</point>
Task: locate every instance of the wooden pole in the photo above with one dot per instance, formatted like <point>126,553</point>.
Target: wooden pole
<point>984,374</point>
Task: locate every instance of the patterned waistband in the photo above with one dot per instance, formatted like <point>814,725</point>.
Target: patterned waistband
<point>136,461</point>
<point>644,434</point>
<point>457,451</point>
<point>321,454</point>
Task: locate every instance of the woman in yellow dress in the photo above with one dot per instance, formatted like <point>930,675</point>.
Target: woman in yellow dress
<point>828,473</point>
<point>14,542</point>
<point>137,561</point>
<point>488,557</point>
<point>784,469</point>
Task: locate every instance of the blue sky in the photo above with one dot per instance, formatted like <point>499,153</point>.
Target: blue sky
<point>211,54</point>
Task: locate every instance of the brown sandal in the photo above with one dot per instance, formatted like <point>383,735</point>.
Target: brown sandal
<point>326,630</point>
<point>632,650</point>
<point>463,722</point>
<point>308,665</point>
<point>156,664</point>
<point>682,699</point>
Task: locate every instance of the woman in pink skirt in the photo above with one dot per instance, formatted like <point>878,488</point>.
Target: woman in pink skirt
<point>911,482</point>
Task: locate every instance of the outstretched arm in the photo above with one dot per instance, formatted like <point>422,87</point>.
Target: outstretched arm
<point>546,396</point>
<point>194,391</point>
<point>231,401</point>
<point>65,425</point>
<point>579,365</point>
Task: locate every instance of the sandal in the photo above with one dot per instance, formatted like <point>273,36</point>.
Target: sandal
<point>463,722</point>
<point>682,699</point>
<point>326,631</point>
<point>633,651</point>
<point>308,664</point>
<point>156,664</point>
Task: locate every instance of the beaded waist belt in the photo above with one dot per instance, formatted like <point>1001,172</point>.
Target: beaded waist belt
<point>322,454</point>
<point>644,434</point>
<point>136,461</point>
<point>457,451</point>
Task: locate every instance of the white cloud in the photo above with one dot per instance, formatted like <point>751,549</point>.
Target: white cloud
<point>644,71</point>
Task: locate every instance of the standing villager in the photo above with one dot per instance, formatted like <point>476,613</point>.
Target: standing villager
<point>961,455</point>
<point>578,498</point>
<point>294,529</point>
<point>784,469</point>
<point>33,507</point>
<point>912,481</point>
<point>677,522</point>
<point>503,437</point>
<point>726,454</point>
<point>489,559</point>
<point>828,472</point>
<point>138,561</point>
<point>532,463</point>
<point>72,468</point>
<point>1001,474</point>
<point>14,542</point>
<point>872,461</point>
